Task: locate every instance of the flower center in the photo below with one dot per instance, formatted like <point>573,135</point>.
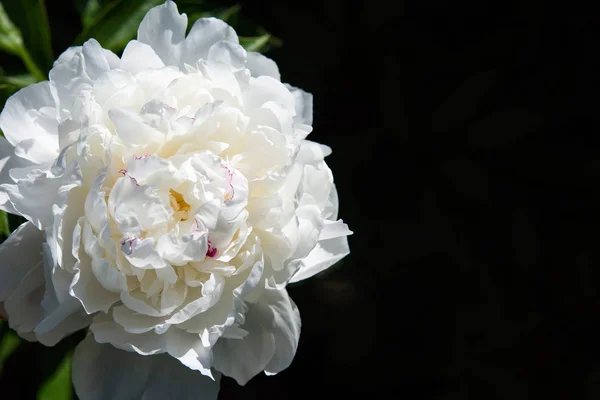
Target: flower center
<point>180,207</point>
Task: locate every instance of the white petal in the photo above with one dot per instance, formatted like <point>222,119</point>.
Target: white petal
<point>23,306</point>
<point>132,129</point>
<point>332,247</point>
<point>134,322</point>
<point>19,253</point>
<point>29,122</point>
<point>108,331</point>
<point>63,321</point>
<point>189,350</point>
<point>273,326</point>
<point>102,372</point>
<point>67,55</point>
<point>210,293</point>
<point>84,286</point>
<point>228,53</point>
<point>96,63</point>
<point>31,303</point>
<point>260,65</point>
<point>304,105</point>
<point>34,195</point>
<point>267,89</point>
<point>171,380</point>
<point>286,321</point>
<point>242,359</point>
<point>138,56</point>
<point>164,29</point>
<point>8,161</point>
<point>203,35</point>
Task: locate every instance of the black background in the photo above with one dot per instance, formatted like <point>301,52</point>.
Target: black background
<point>465,152</point>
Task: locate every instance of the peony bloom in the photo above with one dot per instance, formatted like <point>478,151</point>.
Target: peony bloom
<point>170,197</point>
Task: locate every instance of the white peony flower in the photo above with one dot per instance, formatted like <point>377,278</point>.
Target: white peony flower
<point>170,196</point>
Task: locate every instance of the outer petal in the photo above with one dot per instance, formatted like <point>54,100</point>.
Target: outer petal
<point>163,28</point>
<point>68,54</point>
<point>20,253</point>
<point>31,305</point>
<point>332,247</point>
<point>8,161</point>
<point>29,122</point>
<point>304,105</point>
<point>260,65</point>
<point>273,326</point>
<point>172,380</point>
<point>286,329</point>
<point>138,56</point>
<point>205,33</point>
<point>102,372</point>
<point>33,195</point>
<point>23,305</point>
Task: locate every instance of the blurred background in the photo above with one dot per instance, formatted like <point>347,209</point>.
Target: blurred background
<point>465,152</point>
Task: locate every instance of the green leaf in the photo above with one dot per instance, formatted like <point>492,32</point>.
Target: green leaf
<point>4,226</point>
<point>58,386</point>
<point>9,341</point>
<point>11,40</point>
<point>117,23</point>
<point>229,13</point>
<point>91,12</point>
<point>261,43</point>
<point>18,81</point>
<point>31,19</point>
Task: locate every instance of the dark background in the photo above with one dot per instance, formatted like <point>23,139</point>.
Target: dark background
<point>465,152</point>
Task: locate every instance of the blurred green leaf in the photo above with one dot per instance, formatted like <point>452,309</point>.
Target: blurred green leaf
<point>116,23</point>
<point>260,43</point>
<point>58,386</point>
<point>9,341</point>
<point>229,13</point>
<point>90,12</point>
<point>11,41</point>
<point>4,226</point>
<point>18,81</point>
<point>30,17</point>
<point>10,36</point>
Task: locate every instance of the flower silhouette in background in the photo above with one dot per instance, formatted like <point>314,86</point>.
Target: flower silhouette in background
<point>170,197</point>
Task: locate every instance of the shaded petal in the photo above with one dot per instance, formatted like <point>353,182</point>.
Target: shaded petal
<point>163,28</point>
<point>286,328</point>
<point>242,359</point>
<point>203,35</point>
<point>210,294</point>
<point>189,350</point>
<point>260,65</point>
<point>20,253</point>
<point>303,105</point>
<point>23,306</point>
<point>268,89</point>
<point>171,380</point>
<point>102,372</point>
<point>131,127</point>
<point>33,195</point>
<point>68,54</point>
<point>332,247</point>
<point>29,122</point>
<point>96,63</point>
<point>8,161</point>
<point>84,286</point>
<point>273,326</point>
<point>138,56</point>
